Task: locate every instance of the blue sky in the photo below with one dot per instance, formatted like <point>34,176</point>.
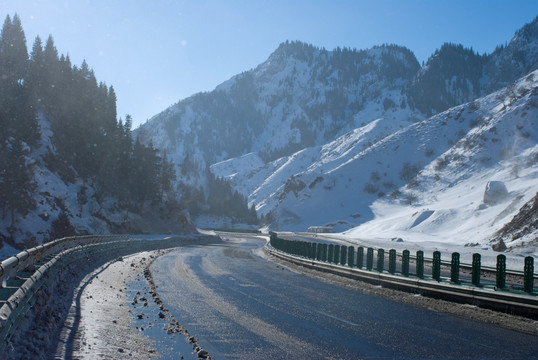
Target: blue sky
<point>157,52</point>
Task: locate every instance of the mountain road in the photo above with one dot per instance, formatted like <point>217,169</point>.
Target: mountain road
<point>239,305</point>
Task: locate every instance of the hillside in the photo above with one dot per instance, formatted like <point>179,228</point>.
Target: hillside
<point>300,97</point>
<point>316,137</point>
<point>449,197</point>
<point>427,177</point>
<point>68,166</point>
<point>77,205</point>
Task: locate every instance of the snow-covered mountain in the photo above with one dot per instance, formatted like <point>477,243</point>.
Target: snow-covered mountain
<point>301,96</point>
<point>427,177</point>
<point>454,75</point>
<point>369,138</point>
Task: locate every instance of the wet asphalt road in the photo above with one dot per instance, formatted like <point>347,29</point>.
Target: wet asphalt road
<point>240,306</point>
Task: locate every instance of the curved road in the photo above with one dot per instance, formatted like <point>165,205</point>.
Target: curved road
<point>240,306</point>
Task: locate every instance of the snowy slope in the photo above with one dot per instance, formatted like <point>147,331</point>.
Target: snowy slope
<point>423,180</point>
<point>88,211</point>
<point>263,181</point>
<point>52,197</point>
<point>449,203</point>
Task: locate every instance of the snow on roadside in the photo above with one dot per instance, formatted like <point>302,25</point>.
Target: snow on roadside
<point>90,311</point>
<point>105,322</point>
<point>118,318</point>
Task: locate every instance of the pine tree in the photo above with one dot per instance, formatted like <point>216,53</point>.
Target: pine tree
<point>166,176</point>
<point>17,112</point>
<point>35,72</point>
<point>16,180</point>
<point>110,106</point>
<point>49,74</point>
<point>62,227</point>
<point>143,173</point>
<point>13,51</point>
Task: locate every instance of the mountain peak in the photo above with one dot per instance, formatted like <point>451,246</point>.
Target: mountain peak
<point>518,58</point>
<point>295,48</point>
<point>529,32</point>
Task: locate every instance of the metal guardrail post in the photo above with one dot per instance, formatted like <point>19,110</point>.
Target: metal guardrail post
<point>272,239</point>
<point>436,267</point>
<point>380,260</point>
<point>336,254</point>
<point>331,253</point>
<point>476,269</point>
<point>324,252</point>
<point>405,263</point>
<point>455,268</point>
<point>392,261</point>
<point>351,256</point>
<point>343,255</point>
<point>277,243</point>
<point>528,271</point>
<point>501,271</point>
<point>290,247</point>
<point>360,257</point>
<point>369,259</point>
<point>420,264</point>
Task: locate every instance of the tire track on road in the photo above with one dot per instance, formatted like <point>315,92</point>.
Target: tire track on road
<point>254,325</point>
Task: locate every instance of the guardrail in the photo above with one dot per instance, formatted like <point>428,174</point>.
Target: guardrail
<point>23,275</point>
<point>28,258</point>
<point>232,231</point>
<point>358,263</point>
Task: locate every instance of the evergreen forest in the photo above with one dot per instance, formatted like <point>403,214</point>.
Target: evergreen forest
<point>88,142</point>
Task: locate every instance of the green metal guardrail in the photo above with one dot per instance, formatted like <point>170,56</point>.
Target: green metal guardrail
<point>224,230</point>
<point>520,300</point>
<point>302,248</point>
